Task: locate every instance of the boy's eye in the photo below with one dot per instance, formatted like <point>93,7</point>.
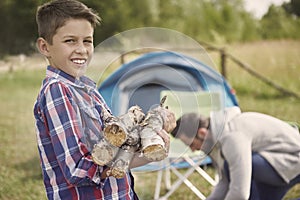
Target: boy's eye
<point>69,41</point>
<point>88,41</point>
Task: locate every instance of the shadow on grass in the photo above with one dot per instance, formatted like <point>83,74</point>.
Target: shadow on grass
<point>30,168</point>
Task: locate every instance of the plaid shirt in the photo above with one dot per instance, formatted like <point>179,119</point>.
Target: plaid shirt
<point>68,124</point>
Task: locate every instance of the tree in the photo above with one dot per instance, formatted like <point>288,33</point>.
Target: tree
<point>296,7</point>
<point>205,20</point>
<point>18,32</point>
<point>277,24</point>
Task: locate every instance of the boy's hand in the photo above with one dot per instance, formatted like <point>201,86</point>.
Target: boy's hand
<point>168,118</point>
<point>105,173</point>
<point>166,138</point>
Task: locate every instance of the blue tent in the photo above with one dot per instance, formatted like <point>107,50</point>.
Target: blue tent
<point>140,81</point>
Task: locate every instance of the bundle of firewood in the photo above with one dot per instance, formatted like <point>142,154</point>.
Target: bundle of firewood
<point>133,132</point>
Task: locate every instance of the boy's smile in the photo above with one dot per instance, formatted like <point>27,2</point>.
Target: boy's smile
<point>72,47</point>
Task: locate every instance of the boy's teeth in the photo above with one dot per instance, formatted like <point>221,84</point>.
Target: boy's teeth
<point>79,61</point>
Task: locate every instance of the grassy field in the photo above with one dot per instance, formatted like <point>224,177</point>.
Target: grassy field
<point>20,175</point>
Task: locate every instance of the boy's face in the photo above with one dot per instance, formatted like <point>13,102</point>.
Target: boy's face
<point>72,47</point>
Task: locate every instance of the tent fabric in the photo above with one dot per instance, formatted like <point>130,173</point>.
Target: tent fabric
<point>140,81</point>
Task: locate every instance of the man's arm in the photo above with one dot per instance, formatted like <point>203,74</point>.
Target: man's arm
<point>220,190</point>
<point>237,151</point>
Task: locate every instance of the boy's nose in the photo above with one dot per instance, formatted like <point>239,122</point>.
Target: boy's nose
<point>81,48</point>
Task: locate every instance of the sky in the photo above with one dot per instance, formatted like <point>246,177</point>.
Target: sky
<point>260,7</point>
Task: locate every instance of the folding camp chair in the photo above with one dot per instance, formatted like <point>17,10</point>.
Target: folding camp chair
<point>180,103</point>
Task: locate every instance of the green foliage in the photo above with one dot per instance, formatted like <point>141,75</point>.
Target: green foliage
<point>292,7</point>
<point>218,21</point>
<point>18,29</point>
<point>295,5</point>
<point>277,24</point>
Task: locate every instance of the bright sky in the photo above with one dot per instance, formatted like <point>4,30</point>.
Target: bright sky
<point>260,7</point>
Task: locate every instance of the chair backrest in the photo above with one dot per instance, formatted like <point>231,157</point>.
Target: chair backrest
<point>181,102</point>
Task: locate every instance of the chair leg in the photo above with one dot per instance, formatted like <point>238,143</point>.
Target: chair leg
<point>158,184</point>
<point>189,184</point>
<point>183,179</point>
<point>201,171</point>
<point>168,178</point>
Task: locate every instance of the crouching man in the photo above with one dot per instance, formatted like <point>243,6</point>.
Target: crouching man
<point>257,156</point>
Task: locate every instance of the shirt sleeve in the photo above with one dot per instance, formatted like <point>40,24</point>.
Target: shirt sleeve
<point>237,152</point>
<point>64,126</point>
<point>220,190</point>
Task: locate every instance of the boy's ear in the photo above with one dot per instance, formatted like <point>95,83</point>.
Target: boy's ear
<point>42,46</point>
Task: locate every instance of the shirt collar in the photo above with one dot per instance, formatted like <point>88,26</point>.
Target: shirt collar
<point>82,82</point>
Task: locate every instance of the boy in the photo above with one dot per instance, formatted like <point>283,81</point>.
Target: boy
<point>68,108</point>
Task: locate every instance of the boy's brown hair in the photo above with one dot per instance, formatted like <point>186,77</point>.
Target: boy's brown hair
<point>53,15</point>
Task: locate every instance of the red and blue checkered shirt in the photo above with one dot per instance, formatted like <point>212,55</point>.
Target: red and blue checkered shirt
<point>68,124</point>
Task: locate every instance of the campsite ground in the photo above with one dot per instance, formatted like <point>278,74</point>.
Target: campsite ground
<point>20,176</point>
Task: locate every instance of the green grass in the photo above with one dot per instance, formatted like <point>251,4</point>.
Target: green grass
<point>20,174</point>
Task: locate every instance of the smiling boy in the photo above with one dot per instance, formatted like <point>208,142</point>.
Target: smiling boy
<point>68,109</point>
<point>71,47</point>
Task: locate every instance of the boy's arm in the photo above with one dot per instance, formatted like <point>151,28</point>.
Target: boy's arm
<point>65,128</point>
<point>138,161</point>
